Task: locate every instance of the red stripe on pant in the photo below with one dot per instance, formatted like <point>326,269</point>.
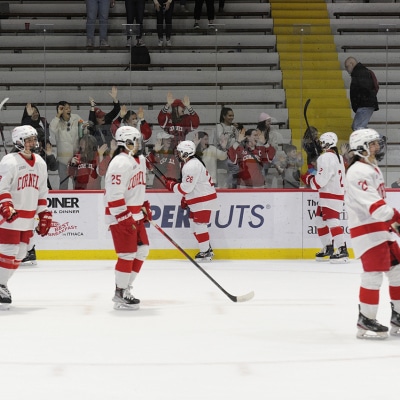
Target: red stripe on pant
<point>336,230</point>
<point>202,237</point>
<point>369,296</point>
<point>137,265</point>
<point>8,262</point>
<point>394,292</point>
<point>323,231</point>
<point>124,265</point>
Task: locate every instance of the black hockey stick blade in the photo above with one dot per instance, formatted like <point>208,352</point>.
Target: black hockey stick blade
<point>236,299</point>
<point>305,112</point>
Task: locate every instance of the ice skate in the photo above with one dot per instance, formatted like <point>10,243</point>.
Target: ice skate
<point>395,322</point>
<point>5,298</point>
<point>204,255</point>
<point>124,300</point>
<point>340,256</point>
<point>30,258</point>
<point>325,253</point>
<point>370,328</point>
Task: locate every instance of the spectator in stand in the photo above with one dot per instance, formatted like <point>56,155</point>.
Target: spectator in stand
<point>134,14</point>
<point>94,9</point>
<point>363,91</point>
<point>82,167</point>
<point>290,168</point>
<point>221,6</point>
<point>164,11</point>
<point>105,155</point>
<point>198,5</point>
<point>178,118</point>
<point>163,157</point>
<point>209,153</point>
<point>31,116</point>
<point>130,118</point>
<point>251,159</point>
<point>64,128</point>
<point>268,135</point>
<point>102,121</point>
<point>226,171</point>
<point>312,147</point>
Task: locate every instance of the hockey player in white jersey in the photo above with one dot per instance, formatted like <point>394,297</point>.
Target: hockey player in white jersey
<point>371,221</point>
<point>198,193</point>
<point>329,181</point>
<point>125,188</point>
<point>23,195</point>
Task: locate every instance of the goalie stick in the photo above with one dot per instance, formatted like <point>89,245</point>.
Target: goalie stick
<point>305,112</point>
<point>236,299</point>
<point>1,126</point>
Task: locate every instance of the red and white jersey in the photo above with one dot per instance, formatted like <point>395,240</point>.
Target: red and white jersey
<point>24,183</point>
<point>197,186</point>
<point>368,213</point>
<point>329,180</point>
<point>125,187</point>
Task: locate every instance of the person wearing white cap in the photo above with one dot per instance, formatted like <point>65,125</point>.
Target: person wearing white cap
<point>163,156</point>
<point>268,135</point>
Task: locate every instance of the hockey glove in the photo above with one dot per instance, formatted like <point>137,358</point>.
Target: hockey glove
<point>45,219</point>
<point>147,211</point>
<point>126,221</point>
<point>306,178</point>
<point>170,183</point>
<point>7,211</point>
<point>184,204</point>
<point>395,222</point>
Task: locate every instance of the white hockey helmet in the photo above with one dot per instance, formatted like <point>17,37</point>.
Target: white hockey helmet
<point>360,139</point>
<point>328,140</point>
<point>21,133</point>
<point>186,149</point>
<point>128,135</point>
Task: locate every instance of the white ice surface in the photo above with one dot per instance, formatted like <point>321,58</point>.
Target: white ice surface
<point>62,340</point>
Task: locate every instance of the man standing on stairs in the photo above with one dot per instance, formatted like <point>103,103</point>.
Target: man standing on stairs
<point>363,91</point>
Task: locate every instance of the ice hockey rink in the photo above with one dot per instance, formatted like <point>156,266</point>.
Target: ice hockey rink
<point>296,339</point>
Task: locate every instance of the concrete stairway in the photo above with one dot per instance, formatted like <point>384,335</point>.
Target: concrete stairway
<point>310,67</point>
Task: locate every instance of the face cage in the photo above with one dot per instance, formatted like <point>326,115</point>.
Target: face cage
<point>21,147</point>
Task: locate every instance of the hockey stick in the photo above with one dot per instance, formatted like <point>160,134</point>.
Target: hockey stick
<point>236,299</point>
<point>305,112</point>
<point>1,126</point>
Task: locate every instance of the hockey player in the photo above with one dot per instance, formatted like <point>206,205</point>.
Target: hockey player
<point>198,191</point>
<point>23,195</point>
<point>329,181</point>
<point>125,187</point>
<point>370,221</point>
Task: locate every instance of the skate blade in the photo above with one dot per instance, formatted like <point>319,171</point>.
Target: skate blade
<point>123,306</point>
<point>395,330</point>
<point>364,334</point>
<point>5,306</point>
<point>206,259</point>
<point>320,259</point>
<point>27,263</point>
<point>343,260</point>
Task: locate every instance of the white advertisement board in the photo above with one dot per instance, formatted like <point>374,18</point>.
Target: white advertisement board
<point>269,222</point>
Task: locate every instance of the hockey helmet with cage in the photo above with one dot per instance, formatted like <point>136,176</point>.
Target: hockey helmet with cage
<point>21,133</point>
<point>186,149</point>
<point>328,140</point>
<point>128,135</point>
<point>360,139</point>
